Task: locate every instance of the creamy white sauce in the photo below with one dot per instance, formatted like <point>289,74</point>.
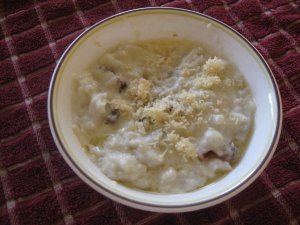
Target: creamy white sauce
<point>163,116</point>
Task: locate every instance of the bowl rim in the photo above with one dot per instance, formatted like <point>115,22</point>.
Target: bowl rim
<point>150,206</point>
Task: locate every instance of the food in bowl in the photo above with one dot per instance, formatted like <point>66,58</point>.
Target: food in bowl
<point>157,24</point>
<point>163,115</point>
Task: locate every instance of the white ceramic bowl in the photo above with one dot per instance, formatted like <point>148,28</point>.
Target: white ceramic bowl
<point>153,23</point>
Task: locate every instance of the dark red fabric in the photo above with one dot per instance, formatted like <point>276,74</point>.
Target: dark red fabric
<point>78,197</point>
<point>38,82</point>
<point>13,120</point>
<point>105,214</point>
<point>56,9</point>
<point>30,40</point>
<point>32,178</point>
<point>19,149</point>
<point>67,25</point>
<point>246,9</point>
<point>43,209</point>
<point>98,13</point>
<point>7,71</point>
<point>13,94</point>
<point>87,4</point>
<point>4,51</point>
<point>37,187</point>
<point>35,60</point>
<point>4,217</point>
<point>61,170</point>
<point>276,44</point>
<point>15,22</point>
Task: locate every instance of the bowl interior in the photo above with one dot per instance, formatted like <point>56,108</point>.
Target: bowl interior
<point>154,24</point>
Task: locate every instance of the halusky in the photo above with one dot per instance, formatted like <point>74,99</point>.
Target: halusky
<point>163,115</point>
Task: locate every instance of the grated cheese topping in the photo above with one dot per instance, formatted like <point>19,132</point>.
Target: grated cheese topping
<point>214,66</point>
<point>185,147</point>
<point>140,90</point>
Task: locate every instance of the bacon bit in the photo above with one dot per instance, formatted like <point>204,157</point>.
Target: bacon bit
<point>209,155</point>
<point>122,87</point>
<point>228,155</point>
<point>231,152</point>
<point>112,117</point>
<point>169,109</point>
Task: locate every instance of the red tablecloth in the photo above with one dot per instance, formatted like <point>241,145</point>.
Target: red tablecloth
<point>37,187</point>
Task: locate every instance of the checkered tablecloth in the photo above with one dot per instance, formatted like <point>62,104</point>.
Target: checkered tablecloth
<point>37,187</point>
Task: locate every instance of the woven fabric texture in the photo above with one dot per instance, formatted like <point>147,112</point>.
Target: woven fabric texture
<point>38,188</point>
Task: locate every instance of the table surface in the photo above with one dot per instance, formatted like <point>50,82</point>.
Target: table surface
<point>37,187</point>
